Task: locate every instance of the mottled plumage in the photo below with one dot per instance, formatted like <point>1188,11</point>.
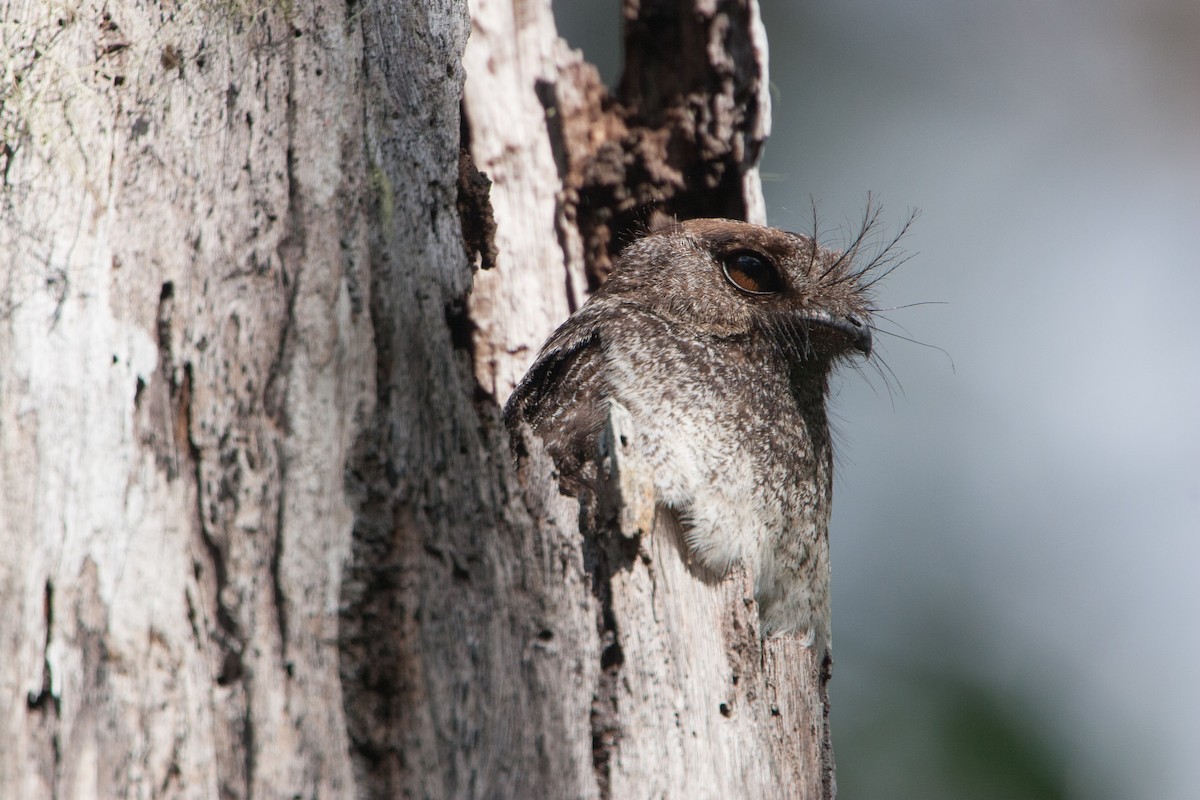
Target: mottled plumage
<point>719,338</point>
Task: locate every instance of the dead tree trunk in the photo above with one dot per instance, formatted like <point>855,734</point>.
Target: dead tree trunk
<point>260,532</point>
<point>186,359</point>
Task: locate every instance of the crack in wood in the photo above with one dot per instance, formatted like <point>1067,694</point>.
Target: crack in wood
<point>45,698</point>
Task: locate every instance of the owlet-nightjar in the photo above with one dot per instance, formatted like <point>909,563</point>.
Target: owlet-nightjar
<point>718,338</point>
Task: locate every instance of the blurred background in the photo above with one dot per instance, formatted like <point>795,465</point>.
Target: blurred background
<point>1016,535</point>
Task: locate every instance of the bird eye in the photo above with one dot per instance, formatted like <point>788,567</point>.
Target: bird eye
<point>752,273</point>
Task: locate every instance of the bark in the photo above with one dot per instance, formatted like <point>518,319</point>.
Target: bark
<point>185,356</point>
<point>261,531</point>
<point>687,700</point>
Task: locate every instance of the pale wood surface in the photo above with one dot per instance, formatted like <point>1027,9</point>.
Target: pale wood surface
<point>184,362</point>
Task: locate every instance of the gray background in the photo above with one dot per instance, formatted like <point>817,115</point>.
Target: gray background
<point>1016,536</point>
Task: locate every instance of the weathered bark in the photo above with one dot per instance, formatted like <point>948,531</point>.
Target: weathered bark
<point>185,354</point>
<point>260,529</point>
<point>185,359</point>
<point>687,700</point>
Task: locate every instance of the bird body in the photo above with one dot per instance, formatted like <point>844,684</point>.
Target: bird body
<point>718,338</point>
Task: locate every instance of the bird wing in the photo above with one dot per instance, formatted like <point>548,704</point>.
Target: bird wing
<point>563,395</point>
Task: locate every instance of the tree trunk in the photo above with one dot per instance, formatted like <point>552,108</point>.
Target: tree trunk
<point>261,531</point>
<point>186,360</point>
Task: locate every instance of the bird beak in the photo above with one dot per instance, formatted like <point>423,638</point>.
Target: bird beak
<point>859,332</point>
<point>852,326</point>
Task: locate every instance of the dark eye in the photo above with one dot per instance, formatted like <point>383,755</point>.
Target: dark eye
<point>752,273</point>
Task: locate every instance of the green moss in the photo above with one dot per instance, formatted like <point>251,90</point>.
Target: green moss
<point>385,196</point>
